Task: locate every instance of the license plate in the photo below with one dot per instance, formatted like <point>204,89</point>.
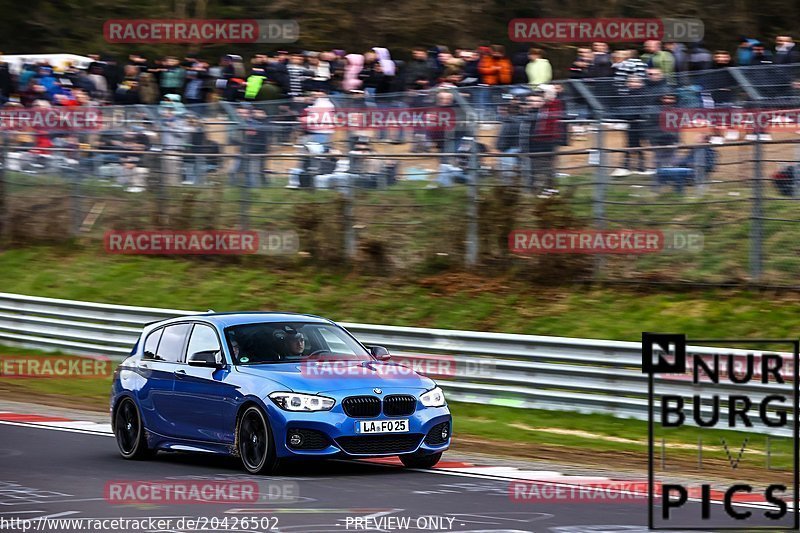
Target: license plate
<point>382,426</point>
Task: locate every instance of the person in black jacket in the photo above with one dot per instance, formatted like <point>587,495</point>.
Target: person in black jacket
<point>276,72</point>
<point>600,66</point>
<point>539,134</point>
<point>508,139</point>
<point>719,80</point>
<point>112,72</point>
<point>699,57</point>
<point>418,73</point>
<point>6,82</point>
<point>659,136</point>
<point>372,76</point>
<point>635,112</point>
<point>656,86</point>
<point>580,67</point>
<point>761,56</point>
<point>519,60</point>
<point>470,72</point>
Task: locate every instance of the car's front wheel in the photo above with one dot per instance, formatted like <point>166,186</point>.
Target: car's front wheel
<point>255,443</point>
<point>129,431</point>
<point>418,460</point>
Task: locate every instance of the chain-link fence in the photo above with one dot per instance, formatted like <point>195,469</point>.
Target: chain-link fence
<point>580,155</point>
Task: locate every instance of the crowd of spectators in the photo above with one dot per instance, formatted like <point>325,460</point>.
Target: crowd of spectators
<point>287,75</point>
<point>630,82</point>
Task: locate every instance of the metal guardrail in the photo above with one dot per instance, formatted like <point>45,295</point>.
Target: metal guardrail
<point>526,371</point>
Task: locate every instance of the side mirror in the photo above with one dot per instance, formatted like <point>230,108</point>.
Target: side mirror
<point>380,353</point>
<point>207,358</point>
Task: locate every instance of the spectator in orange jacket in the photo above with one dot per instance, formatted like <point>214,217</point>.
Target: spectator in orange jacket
<point>496,68</point>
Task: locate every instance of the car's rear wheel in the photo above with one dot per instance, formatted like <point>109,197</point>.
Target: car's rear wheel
<point>418,460</point>
<point>255,442</point>
<point>129,431</point>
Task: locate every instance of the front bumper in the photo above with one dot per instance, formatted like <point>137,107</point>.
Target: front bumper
<point>333,433</point>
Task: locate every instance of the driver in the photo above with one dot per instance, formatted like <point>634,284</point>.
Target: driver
<point>294,342</point>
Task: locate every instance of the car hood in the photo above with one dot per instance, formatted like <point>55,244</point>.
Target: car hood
<point>315,377</point>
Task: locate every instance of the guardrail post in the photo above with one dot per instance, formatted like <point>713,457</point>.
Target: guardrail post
<point>4,229</point>
<point>601,178</point>
<point>76,205</point>
<point>348,215</point>
<point>601,174</point>
<point>757,216</point>
<point>162,207</point>
<point>472,201</point>
<point>245,167</point>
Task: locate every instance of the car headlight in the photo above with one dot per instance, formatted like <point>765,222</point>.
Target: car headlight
<point>433,398</point>
<point>292,401</point>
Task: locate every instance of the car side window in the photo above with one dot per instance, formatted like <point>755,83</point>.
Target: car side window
<point>151,344</point>
<point>170,348</point>
<point>203,339</point>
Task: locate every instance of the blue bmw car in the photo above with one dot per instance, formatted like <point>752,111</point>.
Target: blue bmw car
<point>269,387</point>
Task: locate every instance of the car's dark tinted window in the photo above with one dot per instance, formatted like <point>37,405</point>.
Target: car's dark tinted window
<point>273,342</point>
<point>172,342</point>
<point>203,339</point>
<point>151,344</point>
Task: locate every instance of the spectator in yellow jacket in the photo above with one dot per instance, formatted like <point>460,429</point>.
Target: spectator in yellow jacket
<point>539,70</point>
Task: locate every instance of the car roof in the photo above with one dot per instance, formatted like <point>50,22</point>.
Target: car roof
<point>225,320</point>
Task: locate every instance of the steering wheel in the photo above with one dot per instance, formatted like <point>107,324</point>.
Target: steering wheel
<point>316,352</point>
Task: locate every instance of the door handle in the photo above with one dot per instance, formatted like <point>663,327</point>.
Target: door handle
<point>180,373</point>
<point>143,365</point>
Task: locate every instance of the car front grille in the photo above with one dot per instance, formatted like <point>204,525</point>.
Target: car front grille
<point>312,439</point>
<point>361,406</point>
<point>380,444</point>
<point>399,405</point>
<point>434,436</point>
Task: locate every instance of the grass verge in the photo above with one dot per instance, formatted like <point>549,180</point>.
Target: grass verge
<point>448,300</point>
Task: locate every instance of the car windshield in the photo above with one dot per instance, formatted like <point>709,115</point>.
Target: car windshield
<point>279,342</point>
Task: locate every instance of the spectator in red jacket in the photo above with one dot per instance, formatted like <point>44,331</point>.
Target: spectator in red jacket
<point>541,135</point>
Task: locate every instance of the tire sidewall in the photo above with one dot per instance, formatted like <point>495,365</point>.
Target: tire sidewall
<point>139,434</point>
<point>269,454</point>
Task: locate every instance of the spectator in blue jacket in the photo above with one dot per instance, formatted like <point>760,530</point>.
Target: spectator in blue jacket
<point>744,52</point>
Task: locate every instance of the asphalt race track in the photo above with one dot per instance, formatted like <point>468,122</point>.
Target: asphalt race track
<point>63,475</point>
